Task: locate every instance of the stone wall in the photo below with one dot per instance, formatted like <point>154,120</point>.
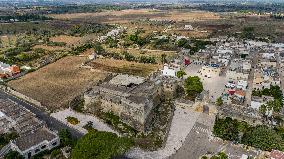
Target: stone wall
<point>137,115</point>
<point>20,95</point>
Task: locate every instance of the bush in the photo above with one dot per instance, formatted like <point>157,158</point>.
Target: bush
<point>72,120</point>
<point>6,137</point>
<point>261,137</point>
<point>55,153</point>
<point>264,138</point>
<point>100,145</point>
<point>65,137</point>
<point>226,129</point>
<point>219,101</point>
<point>13,155</point>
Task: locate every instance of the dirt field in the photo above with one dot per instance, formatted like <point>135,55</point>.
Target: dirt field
<point>57,83</point>
<point>125,16</point>
<point>49,48</point>
<point>125,67</point>
<point>69,40</point>
<point>143,52</point>
<point>8,41</point>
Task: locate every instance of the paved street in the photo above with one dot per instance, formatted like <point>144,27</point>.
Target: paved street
<point>200,142</point>
<point>250,79</point>
<point>51,122</point>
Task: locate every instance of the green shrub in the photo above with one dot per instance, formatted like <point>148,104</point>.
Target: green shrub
<point>100,145</point>
<point>72,120</point>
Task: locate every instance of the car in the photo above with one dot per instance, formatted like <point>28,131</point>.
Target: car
<point>230,84</point>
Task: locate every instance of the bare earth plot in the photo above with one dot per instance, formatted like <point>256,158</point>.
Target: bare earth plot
<point>124,16</point>
<point>125,67</point>
<point>69,40</point>
<point>57,83</point>
<point>49,48</point>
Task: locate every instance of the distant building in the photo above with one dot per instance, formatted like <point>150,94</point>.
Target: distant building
<point>188,27</point>
<point>6,70</point>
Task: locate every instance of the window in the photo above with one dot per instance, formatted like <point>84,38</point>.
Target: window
<point>43,147</point>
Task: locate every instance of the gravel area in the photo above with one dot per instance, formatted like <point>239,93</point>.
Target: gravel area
<point>182,123</point>
<point>84,119</point>
<point>215,85</point>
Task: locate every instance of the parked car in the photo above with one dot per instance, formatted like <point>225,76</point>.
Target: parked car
<point>230,84</point>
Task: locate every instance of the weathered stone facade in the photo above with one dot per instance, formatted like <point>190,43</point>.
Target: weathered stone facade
<point>131,98</point>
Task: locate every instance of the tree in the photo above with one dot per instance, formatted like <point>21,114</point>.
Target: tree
<point>13,155</point>
<point>180,74</point>
<point>163,58</point>
<point>264,138</point>
<point>226,129</point>
<point>65,137</point>
<point>248,33</point>
<point>219,101</point>
<point>100,145</point>
<point>193,86</point>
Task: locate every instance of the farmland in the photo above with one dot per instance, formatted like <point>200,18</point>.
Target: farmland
<point>124,16</point>
<point>125,67</point>
<point>57,83</point>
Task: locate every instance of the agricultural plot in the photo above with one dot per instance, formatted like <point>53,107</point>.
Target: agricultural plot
<point>124,16</point>
<point>49,48</point>
<point>69,40</point>
<point>125,67</point>
<point>58,83</point>
<point>143,52</point>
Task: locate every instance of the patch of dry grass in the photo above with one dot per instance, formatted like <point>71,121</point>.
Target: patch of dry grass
<point>49,48</point>
<point>69,40</point>
<point>124,67</point>
<point>58,83</point>
<point>124,16</point>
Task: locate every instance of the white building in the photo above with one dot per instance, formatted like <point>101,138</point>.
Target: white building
<point>188,27</point>
<point>4,68</point>
<point>35,142</point>
<point>242,84</point>
<point>170,70</point>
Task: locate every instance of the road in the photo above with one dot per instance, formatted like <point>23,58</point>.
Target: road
<point>250,79</point>
<point>51,122</point>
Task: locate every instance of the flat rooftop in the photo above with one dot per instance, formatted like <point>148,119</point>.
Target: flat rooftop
<point>126,80</point>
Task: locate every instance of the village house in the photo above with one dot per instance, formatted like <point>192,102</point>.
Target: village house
<point>171,69</point>
<point>35,142</point>
<point>256,102</point>
<point>34,136</point>
<point>188,27</point>
<point>264,78</point>
<point>113,34</point>
<point>238,70</point>
<point>7,71</point>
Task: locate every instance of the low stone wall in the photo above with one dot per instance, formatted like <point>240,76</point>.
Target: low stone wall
<point>20,95</point>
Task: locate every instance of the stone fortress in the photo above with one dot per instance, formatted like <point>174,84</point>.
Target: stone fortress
<point>132,98</point>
